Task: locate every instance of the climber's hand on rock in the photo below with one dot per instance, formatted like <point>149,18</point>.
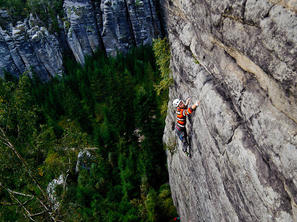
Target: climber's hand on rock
<point>187,101</point>
<point>195,105</point>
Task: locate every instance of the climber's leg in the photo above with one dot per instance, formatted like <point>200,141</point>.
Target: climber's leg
<point>182,134</point>
<point>179,133</point>
<point>185,144</point>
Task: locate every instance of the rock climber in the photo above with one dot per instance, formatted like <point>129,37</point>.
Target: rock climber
<point>182,111</point>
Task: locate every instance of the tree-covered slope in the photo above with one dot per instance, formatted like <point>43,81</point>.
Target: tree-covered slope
<point>108,107</point>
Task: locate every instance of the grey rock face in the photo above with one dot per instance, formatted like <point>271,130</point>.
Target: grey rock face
<point>111,25</point>
<point>244,134</point>
<point>126,23</point>
<point>51,190</point>
<point>28,47</point>
<point>115,30</point>
<point>81,28</point>
<point>84,158</point>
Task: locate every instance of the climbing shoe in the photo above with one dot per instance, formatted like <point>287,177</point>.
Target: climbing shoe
<point>187,153</point>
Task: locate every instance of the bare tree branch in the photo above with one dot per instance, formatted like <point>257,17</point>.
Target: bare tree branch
<point>1,140</point>
<point>48,207</point>
<point>51,213</point>
<point>9,145</point>
<point>91,148</point>
<point>27,201</point>
<point>67,174</point>
<point>18,193</point>
<point>8,204</point>
<point>19,203</point>
<point>38,214</point>
<point>13,204</point>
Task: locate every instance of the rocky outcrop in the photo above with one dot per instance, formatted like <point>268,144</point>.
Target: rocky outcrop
<point>109,25</point>
<point>81,28</point>
<point>84,160</point>
<point>51,190</point>
<point>239,59</point>
<point>128,22</point>
<point>88,26</point>
<point>29,47</point>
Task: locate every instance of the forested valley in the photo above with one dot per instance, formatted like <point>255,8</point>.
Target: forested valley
<point>110,112</point>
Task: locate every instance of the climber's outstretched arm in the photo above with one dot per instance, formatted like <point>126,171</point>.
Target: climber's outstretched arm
<point>196,105</point>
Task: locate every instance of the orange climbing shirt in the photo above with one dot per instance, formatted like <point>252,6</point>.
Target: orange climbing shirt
<point>181,116</point>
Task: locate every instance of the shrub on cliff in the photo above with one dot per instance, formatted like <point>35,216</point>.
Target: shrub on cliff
<point>162,53</point>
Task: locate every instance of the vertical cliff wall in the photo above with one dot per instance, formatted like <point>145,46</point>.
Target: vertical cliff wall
<point>87,25</point>
<point>239,59</point>
<point>28,46</point>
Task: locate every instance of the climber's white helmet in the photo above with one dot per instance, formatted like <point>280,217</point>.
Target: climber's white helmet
<point>176,102</point>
